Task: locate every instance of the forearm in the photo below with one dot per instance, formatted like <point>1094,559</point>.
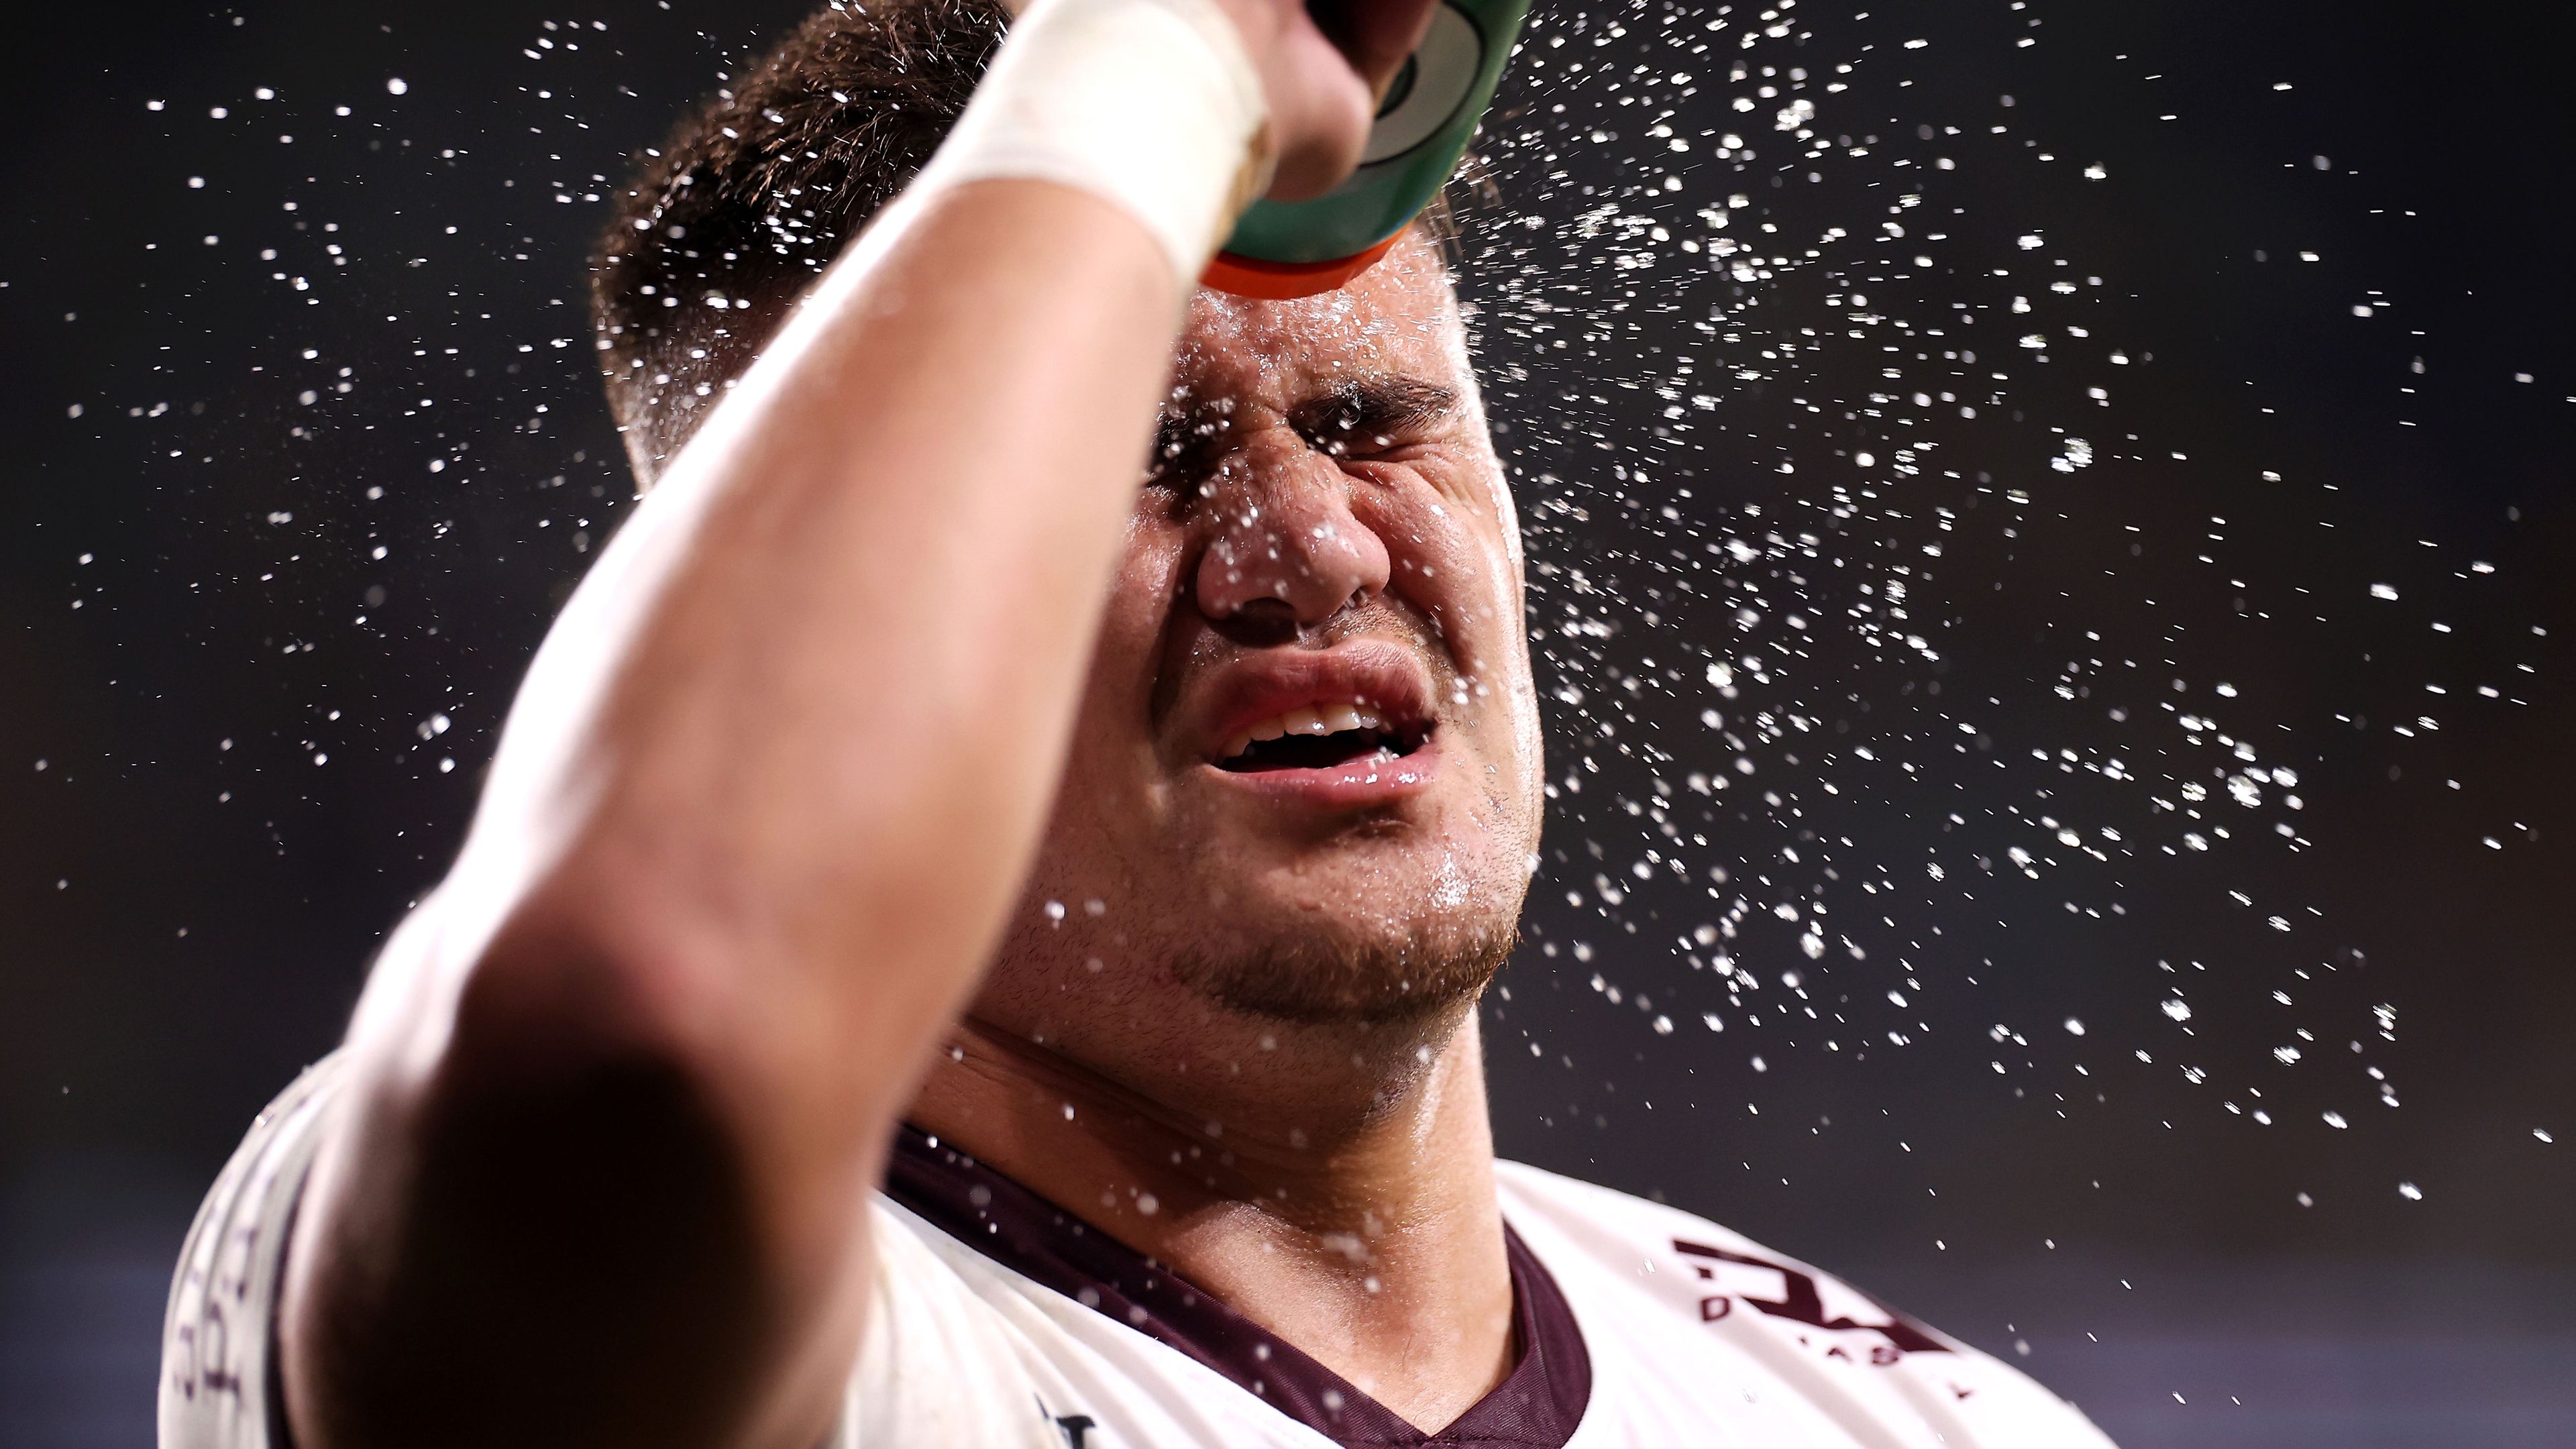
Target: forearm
<point>617,1093</point>
<point>765,795</point>
<point>807,717</point>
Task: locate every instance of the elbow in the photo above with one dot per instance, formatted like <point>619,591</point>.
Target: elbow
<point>601,971</point>
<point>642,1016</point>
<point>801,1016</point>
<point>553,1234</point>
<point>566,984</point>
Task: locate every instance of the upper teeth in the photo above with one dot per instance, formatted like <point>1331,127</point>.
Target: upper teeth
<point>1322,719</point>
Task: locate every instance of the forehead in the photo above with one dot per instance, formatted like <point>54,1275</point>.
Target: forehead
<point>1398,318</point>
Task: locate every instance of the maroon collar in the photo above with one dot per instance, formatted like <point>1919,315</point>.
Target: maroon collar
<point>1535,1407</point>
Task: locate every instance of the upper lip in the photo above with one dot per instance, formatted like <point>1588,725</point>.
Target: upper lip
<point>1381,678</point>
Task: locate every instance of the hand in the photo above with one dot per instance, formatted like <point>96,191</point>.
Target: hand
<point>1323,65</point>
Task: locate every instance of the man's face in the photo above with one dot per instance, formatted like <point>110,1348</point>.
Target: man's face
<point>1304,783</point>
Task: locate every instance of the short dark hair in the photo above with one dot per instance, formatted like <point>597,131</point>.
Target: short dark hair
<point>721,227</point>
<point>754,193</point>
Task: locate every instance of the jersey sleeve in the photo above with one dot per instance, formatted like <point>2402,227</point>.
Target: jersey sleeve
<point>219,1386</point>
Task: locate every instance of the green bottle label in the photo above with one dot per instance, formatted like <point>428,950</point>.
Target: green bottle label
<point>1422,128</point>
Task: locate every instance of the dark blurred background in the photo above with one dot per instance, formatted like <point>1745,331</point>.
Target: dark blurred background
<point>2060,811</point>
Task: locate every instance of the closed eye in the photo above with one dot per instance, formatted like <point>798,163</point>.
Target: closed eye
<point>1371,415</point>
<point>1357,418</point>
<point>1188,444</point>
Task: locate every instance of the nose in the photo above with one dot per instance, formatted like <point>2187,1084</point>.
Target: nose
<point>1285,541</point>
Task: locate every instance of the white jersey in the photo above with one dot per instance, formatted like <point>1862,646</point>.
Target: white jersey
<point>1001,1320</point>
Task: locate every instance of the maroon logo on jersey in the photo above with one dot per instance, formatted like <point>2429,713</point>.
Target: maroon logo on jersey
<point>1801,1301</point>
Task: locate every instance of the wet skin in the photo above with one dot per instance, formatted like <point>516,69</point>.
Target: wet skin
<point>1244,996</point>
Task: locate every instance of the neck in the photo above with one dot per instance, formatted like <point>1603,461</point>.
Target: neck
<point>1357,1222</point>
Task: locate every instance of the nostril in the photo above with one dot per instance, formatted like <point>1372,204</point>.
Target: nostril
<point>1257,623</point>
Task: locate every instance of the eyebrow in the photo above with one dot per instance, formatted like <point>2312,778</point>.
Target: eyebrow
<point>1370,407</point>
<point>1189,439</point>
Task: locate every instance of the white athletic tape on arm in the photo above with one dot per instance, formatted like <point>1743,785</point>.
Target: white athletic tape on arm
<point>1151,105</point>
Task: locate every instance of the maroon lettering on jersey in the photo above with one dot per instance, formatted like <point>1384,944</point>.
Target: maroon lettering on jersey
<point>1801,1301</point>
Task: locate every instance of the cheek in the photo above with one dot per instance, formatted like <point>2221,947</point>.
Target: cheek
<point>1116,720</point>
<point>1148,577</point>
<point>1447,560</point>
<point>1110,803</point>
<point>1453,560</point>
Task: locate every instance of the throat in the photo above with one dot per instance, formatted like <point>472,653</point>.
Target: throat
<point>1384,1355</point>
<point>1358,1247</point>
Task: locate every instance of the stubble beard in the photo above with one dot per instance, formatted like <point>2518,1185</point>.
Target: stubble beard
<point>1317,979</point>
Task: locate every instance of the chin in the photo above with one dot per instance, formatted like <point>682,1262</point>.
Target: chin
<point>1357,947</point>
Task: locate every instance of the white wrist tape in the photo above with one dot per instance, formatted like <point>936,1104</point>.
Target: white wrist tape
<point>1151,105</point>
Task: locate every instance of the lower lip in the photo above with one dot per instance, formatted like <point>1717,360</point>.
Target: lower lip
<point>1352,785</point>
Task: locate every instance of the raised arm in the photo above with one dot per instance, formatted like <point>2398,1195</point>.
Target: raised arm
<point>618,1090</point>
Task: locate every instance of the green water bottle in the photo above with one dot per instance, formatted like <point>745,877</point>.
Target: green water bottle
<point>1283,249</point>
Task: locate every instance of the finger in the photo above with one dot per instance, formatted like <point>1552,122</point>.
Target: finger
<point>1321,113</point>
<point>1374,36</point>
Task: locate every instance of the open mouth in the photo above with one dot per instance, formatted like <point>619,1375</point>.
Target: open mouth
<point>1320,738</point>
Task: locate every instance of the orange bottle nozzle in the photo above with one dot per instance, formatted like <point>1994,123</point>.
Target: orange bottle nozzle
<point>1286,281</point>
